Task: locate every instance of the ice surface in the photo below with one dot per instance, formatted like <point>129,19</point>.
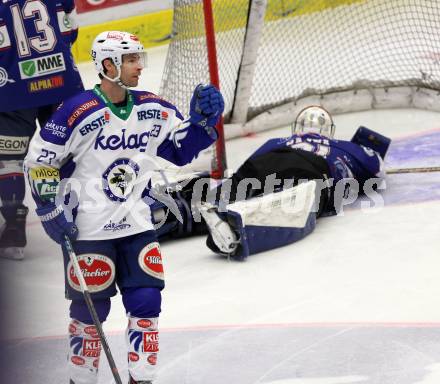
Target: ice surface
<point>356,301</point>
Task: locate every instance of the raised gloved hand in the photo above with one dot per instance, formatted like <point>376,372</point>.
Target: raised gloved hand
<point>206,106</point>
<point>55,223</point>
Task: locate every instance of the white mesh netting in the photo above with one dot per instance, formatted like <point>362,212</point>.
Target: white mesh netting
<point>308,47</point>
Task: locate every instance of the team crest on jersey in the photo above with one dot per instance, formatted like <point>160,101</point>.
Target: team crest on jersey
<point>119,179</point>
<point>150,260</point>
<point>98,272</point>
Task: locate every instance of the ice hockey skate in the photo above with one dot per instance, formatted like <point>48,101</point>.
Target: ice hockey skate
<point>222,235</point>
<point>13,236</point>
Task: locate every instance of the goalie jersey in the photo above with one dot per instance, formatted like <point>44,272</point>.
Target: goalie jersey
<point>103,157</point>
<point>345,159</point>
<point>36,65</point>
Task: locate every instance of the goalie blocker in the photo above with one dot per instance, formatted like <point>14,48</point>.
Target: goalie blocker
<point>261,223</point>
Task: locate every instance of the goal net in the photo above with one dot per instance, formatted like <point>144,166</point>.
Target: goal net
<point>275,56</point>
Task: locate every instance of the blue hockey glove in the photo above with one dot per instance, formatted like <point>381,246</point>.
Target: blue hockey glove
<point>206,106</point>
<point>371,139</point>
<point>55,223</point>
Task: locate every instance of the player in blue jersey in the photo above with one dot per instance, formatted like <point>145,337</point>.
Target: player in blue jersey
<point>313,175</point>
<point>89,169</point>
<point>37,72</point>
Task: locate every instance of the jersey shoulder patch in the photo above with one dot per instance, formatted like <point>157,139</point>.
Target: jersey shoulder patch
<point>144,97</point>
<point>69,114</point>
<point>80,106</point>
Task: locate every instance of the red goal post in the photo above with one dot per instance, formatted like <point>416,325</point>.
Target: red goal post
<point>276,56</point>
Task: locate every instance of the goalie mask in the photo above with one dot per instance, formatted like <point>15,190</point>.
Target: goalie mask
<point>314,119</point>
<point>114,45</point>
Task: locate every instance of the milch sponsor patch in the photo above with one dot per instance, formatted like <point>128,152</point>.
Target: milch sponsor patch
<point>150,260</point>
<point>98,272</point>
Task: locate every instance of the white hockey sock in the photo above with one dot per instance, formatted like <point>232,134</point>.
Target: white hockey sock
<point>84,352</point>
<point>143,347</point>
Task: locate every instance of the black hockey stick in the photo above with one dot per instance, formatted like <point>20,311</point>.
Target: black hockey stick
<point>89,302</point>
<point>412,170</point>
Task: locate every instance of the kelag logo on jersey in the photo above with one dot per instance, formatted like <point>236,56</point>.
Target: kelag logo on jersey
<point>133,141</point>
<point>119,179</point>
<point>42,66</point>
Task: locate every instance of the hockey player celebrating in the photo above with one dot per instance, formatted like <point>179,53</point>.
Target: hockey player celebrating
<point>36,73</point>
<point>99,148</point>
<point>313,175</point>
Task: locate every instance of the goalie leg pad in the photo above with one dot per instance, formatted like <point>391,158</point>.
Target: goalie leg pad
<point>273,220</point>
<point>255,239</point>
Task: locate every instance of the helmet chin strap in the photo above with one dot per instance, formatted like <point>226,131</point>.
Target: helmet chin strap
<point>117,79</point>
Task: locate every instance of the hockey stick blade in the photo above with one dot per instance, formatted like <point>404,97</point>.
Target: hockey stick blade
<point>412,170</point>
<point>92,310</point>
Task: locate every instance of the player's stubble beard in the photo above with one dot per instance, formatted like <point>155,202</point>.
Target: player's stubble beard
<point>132,79</point>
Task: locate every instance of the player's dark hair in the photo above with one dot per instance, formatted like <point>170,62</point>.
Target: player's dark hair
<point>104,68</point>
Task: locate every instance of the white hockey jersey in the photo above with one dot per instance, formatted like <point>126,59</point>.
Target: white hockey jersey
<point>106,155</point>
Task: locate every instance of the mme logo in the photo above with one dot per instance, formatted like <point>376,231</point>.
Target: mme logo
<point>42,66</point>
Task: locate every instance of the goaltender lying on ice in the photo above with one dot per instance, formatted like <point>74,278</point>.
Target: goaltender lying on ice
<point>276,196</point>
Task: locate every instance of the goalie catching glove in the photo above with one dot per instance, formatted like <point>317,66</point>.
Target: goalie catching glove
<point>206,106</point>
